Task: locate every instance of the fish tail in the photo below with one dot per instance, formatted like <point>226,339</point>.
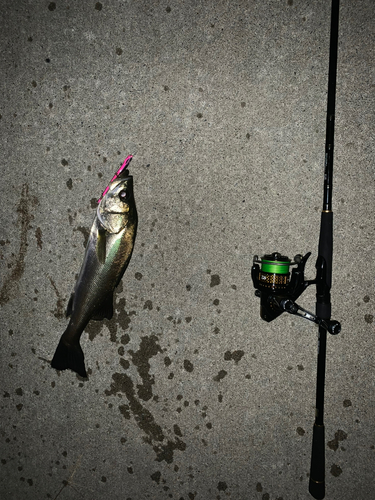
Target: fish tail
<point>69,356</point>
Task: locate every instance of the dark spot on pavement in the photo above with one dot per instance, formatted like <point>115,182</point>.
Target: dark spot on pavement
<point>300,431</point>
<point>138,276</point>
<point>335,470</point>
<point>220,375</point>
<point>98,6</point>
<point>188,365</point>
<point>64,162</point>
<point>235,356</point>
<point>222,486</point>
<point>69,183</point>
<point>148,305</point>
<point>156,476</point>
<point>347,403</point>
<point>52,6</point>
<point>38,236</point>
<point>369,318</point>
<point>215,280</point>
<point>177,430</point>
<point>339,436</point>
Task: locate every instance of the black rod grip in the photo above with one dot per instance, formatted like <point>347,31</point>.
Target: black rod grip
<point>317,469</point>
<point>325,248</point>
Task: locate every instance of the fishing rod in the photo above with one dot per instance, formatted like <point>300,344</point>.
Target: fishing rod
<point>278,289</point>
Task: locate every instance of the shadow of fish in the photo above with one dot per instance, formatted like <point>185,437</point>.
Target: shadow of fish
<point>107,256</point>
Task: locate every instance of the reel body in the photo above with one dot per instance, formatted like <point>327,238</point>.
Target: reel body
<point>278,288</point>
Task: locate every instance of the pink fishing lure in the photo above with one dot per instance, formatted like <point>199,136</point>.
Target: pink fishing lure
<point>123,166</point>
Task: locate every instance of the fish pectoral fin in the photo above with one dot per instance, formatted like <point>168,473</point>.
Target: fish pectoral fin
<point>101,245</point>
<point>69,308</point>
<point>105,310</point>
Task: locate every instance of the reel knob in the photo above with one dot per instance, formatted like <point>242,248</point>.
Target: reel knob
<point>334,327</point>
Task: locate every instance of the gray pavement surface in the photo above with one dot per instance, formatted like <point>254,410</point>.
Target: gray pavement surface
<point>190,394</point>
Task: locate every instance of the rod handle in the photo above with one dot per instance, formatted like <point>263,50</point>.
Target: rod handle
<point>317,469</point>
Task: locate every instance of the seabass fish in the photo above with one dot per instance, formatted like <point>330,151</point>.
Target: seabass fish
<point>107,256</point>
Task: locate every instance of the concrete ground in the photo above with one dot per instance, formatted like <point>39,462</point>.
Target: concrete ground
<point>190,394</point>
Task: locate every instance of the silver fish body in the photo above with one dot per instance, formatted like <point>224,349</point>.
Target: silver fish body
<point>107,256</point>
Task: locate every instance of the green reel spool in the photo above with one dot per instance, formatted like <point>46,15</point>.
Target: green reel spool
<point>274,271</point>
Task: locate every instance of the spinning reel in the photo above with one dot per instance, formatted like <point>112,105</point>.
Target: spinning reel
<point>278,291</point>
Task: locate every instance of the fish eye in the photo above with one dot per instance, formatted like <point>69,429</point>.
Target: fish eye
<point>123,195</point>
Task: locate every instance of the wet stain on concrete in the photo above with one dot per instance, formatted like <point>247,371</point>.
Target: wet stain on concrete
<point>59,311</point>
<point>188,365</point>
<point>369,318</point>
<point>38,236</point>
<point>335,470</point>
<point>215,280</point>
<point>156,476</point>
<point>147,349</point>
<point>85,232</point>
<point>339,436</point>
<point>163,447</point>
<point>148,305</point>
<point>222,486</point>
<point>121,318</point>
<point>24,209</point>
<point>220,375</point>
<point>235,356</point>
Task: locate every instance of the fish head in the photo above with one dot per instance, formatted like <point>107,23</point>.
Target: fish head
<point>116,208</point>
